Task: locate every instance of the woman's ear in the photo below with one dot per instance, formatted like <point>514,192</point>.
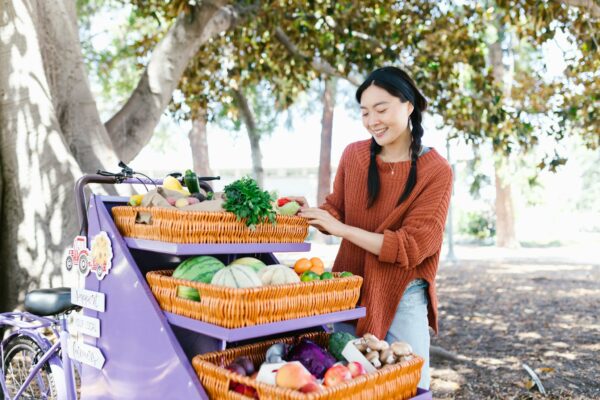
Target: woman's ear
<point>410,108</point>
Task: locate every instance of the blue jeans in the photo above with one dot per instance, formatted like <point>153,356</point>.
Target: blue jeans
<point>410,325</point>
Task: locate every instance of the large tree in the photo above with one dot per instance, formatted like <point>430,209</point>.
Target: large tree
<point>51,131</point>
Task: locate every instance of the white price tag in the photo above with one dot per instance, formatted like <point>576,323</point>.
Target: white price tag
<point>86,325</point>
<point>88,299</point>
<point>86,354</point>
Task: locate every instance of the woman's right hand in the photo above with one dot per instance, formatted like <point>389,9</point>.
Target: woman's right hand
<point>300,200</point>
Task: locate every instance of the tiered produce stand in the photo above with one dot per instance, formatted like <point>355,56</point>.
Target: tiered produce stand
<point>144,352</point>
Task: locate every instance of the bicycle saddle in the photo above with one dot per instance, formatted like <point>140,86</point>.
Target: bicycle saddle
<point>49,301</point>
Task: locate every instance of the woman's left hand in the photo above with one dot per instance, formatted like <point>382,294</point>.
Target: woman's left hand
<point>322,220</point>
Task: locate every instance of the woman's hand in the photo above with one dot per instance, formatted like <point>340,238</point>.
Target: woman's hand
<point>322,220</point>
<point>300,200</point>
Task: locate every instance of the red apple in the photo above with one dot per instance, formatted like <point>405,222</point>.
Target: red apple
<point>293,375</point>
<point>311,387</point>
<point>245,390</point>
<point>356,369</point>
<point>337,374</point>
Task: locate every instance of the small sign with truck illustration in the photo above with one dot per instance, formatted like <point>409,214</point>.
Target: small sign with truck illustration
<point>78,256</point>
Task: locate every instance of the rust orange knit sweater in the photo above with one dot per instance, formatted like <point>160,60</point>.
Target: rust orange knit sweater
<point>413,231</point>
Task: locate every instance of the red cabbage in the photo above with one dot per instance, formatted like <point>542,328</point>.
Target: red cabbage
<point>314,358</point>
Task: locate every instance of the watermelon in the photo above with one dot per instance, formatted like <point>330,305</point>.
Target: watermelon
<point>197,269</point>
<point>251,262</point>
<point>237,276</point>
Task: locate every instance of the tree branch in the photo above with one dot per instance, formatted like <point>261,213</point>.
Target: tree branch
<point>318,64</point>
<point>590,5</point>
<point>131,128</point>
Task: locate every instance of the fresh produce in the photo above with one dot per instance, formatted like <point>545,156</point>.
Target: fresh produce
<point>379,352</point>
<point>288,207</point>
<point>310,387</point>
<point>309,276</point>
<point>316,359</point>
<point>191,181</point>
<point>337,374</point>
<point>136,199</point>
<point>237,276</point>
<point>197,269</point>
<point>182,202</point>
<point>346,274</point>
<point>248,202</point>
<point>193,200</point>
<point>293,375</point>
<point>337,342</point>
<point>172,183</point>
<point>356,369</point>
<point>200,196</point>
<point>246,364</point>
<point>276,353</point>
<point>251,262</point>
<point>278,275</point>
<point>315,265</point>
<point>283,201</point>
<point>326,275</point>
<point>237,367</point>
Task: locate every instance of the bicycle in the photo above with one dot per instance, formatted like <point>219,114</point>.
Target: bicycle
<point>32,366</point>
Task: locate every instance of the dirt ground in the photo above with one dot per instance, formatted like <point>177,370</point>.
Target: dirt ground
<point>497,315</point>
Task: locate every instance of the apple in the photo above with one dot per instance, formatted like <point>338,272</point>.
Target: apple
<point>356,369</point>
<point>246,363</point>
<point>236,368</point>
<point>245,390</point>
<point>337,374</point>
<point>310,387</point>
<point>293,375</point>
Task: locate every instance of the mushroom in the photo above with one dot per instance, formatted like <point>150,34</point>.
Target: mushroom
<point>368,336</point>
<point>401,349</point>
<point>375,344</point>
<point>373,357</point>
<point>361,345</point>
<point>387,356</point>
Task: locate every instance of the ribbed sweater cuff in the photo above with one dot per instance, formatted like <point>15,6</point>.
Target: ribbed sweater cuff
<point>389,248</point>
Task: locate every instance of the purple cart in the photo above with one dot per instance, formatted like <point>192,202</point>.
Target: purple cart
<point>147,351</point>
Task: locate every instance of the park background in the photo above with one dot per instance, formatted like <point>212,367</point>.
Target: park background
<point>513,87</point>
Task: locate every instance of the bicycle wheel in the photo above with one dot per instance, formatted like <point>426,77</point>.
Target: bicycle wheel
<point>20,355</point>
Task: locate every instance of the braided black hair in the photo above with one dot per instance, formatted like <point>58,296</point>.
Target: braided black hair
<point>399,84</point>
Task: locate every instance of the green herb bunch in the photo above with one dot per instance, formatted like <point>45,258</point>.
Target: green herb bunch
<point>248,202</point>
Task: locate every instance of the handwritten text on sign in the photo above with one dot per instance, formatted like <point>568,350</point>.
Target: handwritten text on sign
<point>86,354</point>
<point>86,325</point>
<point>88,299</point>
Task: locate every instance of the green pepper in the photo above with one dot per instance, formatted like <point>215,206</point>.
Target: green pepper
<point>191,181</point>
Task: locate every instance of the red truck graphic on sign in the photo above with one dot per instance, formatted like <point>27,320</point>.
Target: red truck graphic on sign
<point>78,256</point>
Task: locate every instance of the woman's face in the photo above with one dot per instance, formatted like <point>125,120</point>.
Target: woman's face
<point>385,116</point>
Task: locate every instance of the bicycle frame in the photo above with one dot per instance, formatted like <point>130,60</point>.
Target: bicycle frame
<point>29,325</point>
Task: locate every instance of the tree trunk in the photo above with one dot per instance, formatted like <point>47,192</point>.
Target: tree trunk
<point>253,135</point>
<point>506,235</point>
<point>505,212</point>
<point>50,129</point>
<point>324,187</point>
<point>131,128</point>
<point>37,169</point>
<point>199,144</point>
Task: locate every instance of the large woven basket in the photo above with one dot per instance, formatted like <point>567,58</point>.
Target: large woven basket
<point>392,382</point>
<point>177,226</point>
<point>236,308</point>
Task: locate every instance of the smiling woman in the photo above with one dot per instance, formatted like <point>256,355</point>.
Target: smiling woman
<point>390,218</point>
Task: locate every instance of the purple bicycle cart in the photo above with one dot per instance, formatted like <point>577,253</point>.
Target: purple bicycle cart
<point>145,351</point>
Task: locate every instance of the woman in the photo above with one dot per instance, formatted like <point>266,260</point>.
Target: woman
<point>389,205</point>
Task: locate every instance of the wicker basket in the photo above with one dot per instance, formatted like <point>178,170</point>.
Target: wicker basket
<point>178,226</point>
<point>236,308</point>
<point>392,382</point>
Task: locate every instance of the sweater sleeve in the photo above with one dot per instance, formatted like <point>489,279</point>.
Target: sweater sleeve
<point>422,230</point>
<point>334,202</point>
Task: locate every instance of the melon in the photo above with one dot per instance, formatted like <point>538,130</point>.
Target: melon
<point>197,269</point>
<point>237,276</point>
<point>252,262</point>
<point>278,274</point>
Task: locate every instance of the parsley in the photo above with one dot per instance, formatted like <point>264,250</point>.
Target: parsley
<point>248,202</point>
